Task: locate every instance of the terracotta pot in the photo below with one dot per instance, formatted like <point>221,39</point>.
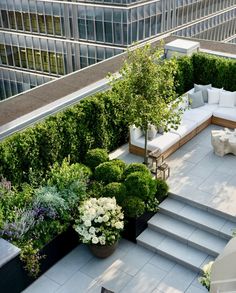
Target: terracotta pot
<point>103,251</point>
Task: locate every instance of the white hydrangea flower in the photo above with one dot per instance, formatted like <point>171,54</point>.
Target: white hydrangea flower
<point>95,240</point>
<point>87,223</point>
<point>119,225</point>
<point>105,218</point>
<point>92,230</point>
<point>100,219</point>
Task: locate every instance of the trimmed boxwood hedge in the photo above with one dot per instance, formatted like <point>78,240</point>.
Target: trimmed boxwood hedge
<point>96,122</point>
<point>202,68</point>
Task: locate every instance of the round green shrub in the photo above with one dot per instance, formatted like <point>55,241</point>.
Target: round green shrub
<point>115,189</point>
<point>95,157</point>
<point>95,189</point>
<point>162,189</point>
<point>141,184</point>
<point>119,163</point>
<point>108,172</point>
<point>133,207</point>
<point>135,167</point>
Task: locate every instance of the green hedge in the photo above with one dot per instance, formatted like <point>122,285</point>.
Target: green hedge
<point>96,122</point>
<point>203,68</point>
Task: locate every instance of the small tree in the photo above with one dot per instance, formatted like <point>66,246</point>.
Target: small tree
<point>147,90</point>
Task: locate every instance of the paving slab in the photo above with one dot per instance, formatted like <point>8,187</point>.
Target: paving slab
<point>146,280</point>
<point>42,284</point>
<point>178,280</point>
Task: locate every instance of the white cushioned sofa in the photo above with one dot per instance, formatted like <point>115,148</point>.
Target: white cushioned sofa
<point>193,121</point>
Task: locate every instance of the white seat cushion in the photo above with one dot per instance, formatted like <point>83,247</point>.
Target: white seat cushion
<point>225,113</point>
<point>135,133</point>
<point>198,115</point>
<point>185,127</point>
<point>163,142</point>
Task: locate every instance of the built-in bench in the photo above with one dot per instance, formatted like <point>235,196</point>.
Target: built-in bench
<point>193,122</point>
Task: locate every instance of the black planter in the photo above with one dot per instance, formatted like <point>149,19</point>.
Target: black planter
<point>135,226</point>
<point>13,276</point>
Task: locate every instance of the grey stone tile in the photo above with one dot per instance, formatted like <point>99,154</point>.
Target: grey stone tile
<point>202,217</point>
<point>125,245</point>
<point>162,262</point>
<point>151,237</point>
<point>201,171</point>
<point>72,262</point>
<point>171,225</point>
<point>135,259</point>
<point>96,267</point>
<point>78,283</point>
<point>178,279</point>
<point>146,280</point>
<point>196,282</point>
<point>207,240</point>
<point>182,251</point>
<point>7,251</point>
<point>215,182</point>
<point>172,205</point>
<point>42,284</point>
<point>193,289</point>
<point>114,279</point>
<point>228,228</point>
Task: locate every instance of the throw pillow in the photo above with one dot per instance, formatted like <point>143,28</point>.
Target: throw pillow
<point>214,96</point>
<point>227,99</point>
<point>196,100</point>
<point>152,132</point>
<point>203,88</point>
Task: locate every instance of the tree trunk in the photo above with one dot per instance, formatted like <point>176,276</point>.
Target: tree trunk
<point>145,146</point>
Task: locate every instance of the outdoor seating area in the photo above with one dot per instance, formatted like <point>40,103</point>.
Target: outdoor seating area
<point>197,173</point>
<point>219,107</point>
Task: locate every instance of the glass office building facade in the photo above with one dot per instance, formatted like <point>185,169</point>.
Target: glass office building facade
<point>58,37</point>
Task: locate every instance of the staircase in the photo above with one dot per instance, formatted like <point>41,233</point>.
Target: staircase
<point>187,232</point>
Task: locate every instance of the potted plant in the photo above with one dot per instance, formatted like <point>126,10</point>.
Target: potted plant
<point>99,225</point>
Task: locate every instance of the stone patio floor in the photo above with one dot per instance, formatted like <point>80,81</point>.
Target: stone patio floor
<point>131,269</point>
<point>196,173</point>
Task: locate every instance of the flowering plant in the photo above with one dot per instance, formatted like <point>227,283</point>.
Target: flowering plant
<point>205,280</point>
<point>100,221</point>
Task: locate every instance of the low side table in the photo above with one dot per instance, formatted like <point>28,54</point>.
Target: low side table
<point>156,157</point>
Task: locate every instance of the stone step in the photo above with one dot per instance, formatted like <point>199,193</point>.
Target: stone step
<point>197,217</point>
<point>173,249</point>
<point>187,233</point>
<point>194,203</point>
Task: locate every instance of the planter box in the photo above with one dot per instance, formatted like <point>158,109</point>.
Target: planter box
<point>135,226</point>
<point>14,278</point>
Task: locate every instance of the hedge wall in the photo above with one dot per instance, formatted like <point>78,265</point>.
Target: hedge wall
<point>203,68</point>
<point>94,122</point>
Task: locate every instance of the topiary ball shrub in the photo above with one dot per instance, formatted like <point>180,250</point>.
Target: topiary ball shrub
<point>135,167</point>
<point>119,163</point>
<point>142,185</point>
<point>108,172</point>
<point>95,157</point>
<point>133,207</point>
<point>162,189</point>
<point>115,189</point>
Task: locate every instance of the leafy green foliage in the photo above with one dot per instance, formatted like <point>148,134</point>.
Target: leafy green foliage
<point>108,172</point>
<point>162,189</point>
<point>140,184</point>
<point>184,75</point>
<point>97,122</point>
<point>115,189</point>
<point>95,157</point>
<point>135,167</point>
<point>203,68</point>
<point>147,90</point>
<point>133,206</point>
